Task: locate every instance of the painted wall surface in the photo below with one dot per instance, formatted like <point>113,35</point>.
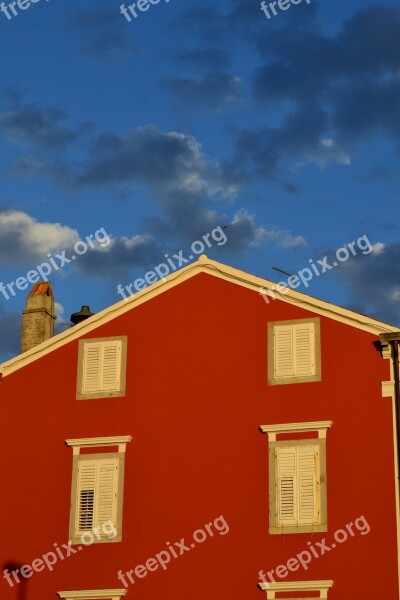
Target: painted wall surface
<point>197,394</point>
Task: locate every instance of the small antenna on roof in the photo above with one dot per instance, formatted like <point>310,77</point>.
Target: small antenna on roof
<point>290,275</point>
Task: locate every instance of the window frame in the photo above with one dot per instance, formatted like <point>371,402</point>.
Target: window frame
<point>80,395</point>
<point>75,536</point>
<point>272,379</point>
<point>273,430</point>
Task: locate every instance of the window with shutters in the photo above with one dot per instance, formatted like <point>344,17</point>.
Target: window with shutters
<point>101,368</point>
<point>97,491</point>
<point>297,478</point>
<point>294,351</point>
<point>297,485</point>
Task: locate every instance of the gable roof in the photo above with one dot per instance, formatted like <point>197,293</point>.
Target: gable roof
<point>203,265</point>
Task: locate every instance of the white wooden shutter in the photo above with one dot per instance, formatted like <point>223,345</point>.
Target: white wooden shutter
<point>111,366</point>
<point>86,490</point>
<point>283,351</point>
<point>308,484</point>
<point>297,485</point>
<point>101,367</point>
<point>294,350</point>
<point>97,491</point>
<point>304,354</point>
<point>91,368</point>
<point>106,501</point>
<point>286,485</point>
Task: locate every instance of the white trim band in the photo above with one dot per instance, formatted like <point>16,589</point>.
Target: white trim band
<point>321,586</point>
<point>274,430</point>
<point>94,594</point>
<point>119,440</point>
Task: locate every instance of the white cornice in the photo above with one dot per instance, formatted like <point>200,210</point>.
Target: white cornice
<point>274,430</point>
<point>118,440</point>
<point>297,586</point>
<point>94,594</point>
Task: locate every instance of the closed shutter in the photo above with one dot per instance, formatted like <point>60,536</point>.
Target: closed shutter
<point>96,494</point>
<point>297,485</point>
<point>91,368</point>
<point>111,366</point>
<point>308,478</point>
<point>106,504</point>
<point>283,351</point>
<point>294,350</point>
<point>86,490</point>
<point>304,354</point>
<point>101,367</point>
<point>286,486</point>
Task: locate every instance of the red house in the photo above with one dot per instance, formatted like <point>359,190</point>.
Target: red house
<point>202,439</point>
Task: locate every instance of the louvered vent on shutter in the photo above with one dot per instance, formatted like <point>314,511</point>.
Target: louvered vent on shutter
<point>304,355</point>
<point>106,504</point>
<point>111,367</point>
<point>283,351</point>
<point>91,368</point>
<point>286,486</point>
<point>308,477</point>
<point>86,490</point>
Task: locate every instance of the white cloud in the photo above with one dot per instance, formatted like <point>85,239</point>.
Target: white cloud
<point>328,152</point>
<point>23,238</point>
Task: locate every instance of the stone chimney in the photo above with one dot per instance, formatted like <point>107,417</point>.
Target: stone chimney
<point>38,317</point>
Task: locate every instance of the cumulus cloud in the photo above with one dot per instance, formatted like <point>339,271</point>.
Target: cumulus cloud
<point>168,162</point>
<point>39,126</point>
<point>23,238</point>
<point>374,281</point>
<point>212,91</point>
<point>10,327</point>
<point>335,88</point>
<point>327,153</point>
<point>102,35</point>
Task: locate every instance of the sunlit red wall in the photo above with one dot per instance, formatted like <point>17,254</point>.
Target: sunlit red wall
<point>196,396</point>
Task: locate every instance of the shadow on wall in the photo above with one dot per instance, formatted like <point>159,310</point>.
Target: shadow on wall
<point>19,589</point>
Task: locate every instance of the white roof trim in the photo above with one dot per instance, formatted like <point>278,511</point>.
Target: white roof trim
<point>203,265</point>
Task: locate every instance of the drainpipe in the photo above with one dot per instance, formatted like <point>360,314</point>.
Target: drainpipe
<point>393,340</point>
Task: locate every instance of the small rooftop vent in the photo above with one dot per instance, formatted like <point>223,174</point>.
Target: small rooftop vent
<point>80,316</point>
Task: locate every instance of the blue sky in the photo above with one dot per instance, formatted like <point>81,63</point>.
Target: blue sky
<point>193,116</point>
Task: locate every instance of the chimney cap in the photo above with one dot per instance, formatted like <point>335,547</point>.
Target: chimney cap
<point>41,287</point>
<point>82,315</point>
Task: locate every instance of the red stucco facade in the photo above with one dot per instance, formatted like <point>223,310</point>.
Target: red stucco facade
<point>196,396</point>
